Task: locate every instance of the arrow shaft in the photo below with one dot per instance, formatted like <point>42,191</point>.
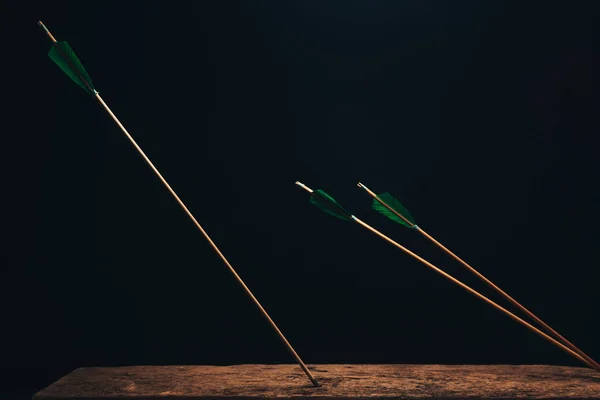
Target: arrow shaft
<point>213,245</point>
<point>474,292</point>
<point>512,301</point>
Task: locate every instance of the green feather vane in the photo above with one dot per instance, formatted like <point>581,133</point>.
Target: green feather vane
<point>62,54</point>
<point>327,204</point>
<point>389,206</point>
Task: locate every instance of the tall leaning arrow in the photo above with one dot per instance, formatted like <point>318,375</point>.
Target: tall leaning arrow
<point>62,54</point>
<point>328,204</point>
<point>389,206</point>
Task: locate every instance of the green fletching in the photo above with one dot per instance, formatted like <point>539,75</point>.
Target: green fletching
<point>396,206</point>
<point>326,203</point>
<point>62,54</point>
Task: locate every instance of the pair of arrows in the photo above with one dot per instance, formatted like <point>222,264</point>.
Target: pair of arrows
<point>62,54</point>
<point>387,205</point>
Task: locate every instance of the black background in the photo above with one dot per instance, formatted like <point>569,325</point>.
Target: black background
<point>481,117</point>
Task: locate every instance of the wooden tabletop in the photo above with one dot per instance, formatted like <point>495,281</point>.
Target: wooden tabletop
<point>344,381</point>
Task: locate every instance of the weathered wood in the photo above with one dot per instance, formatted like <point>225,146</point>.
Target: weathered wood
<point>338,382</point>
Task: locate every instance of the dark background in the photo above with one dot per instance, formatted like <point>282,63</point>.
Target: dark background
<point>481,117</point>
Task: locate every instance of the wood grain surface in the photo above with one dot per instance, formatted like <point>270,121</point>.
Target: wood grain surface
<point>347,381</point>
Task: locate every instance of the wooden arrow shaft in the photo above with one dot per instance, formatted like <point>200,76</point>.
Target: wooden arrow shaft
<point>474,292</point>
<point>213,245</point>
<point>513,301</point>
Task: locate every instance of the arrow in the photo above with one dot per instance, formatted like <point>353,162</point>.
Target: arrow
<point>387,205</point>
<point>348,216</point>
<point>62,54</point>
